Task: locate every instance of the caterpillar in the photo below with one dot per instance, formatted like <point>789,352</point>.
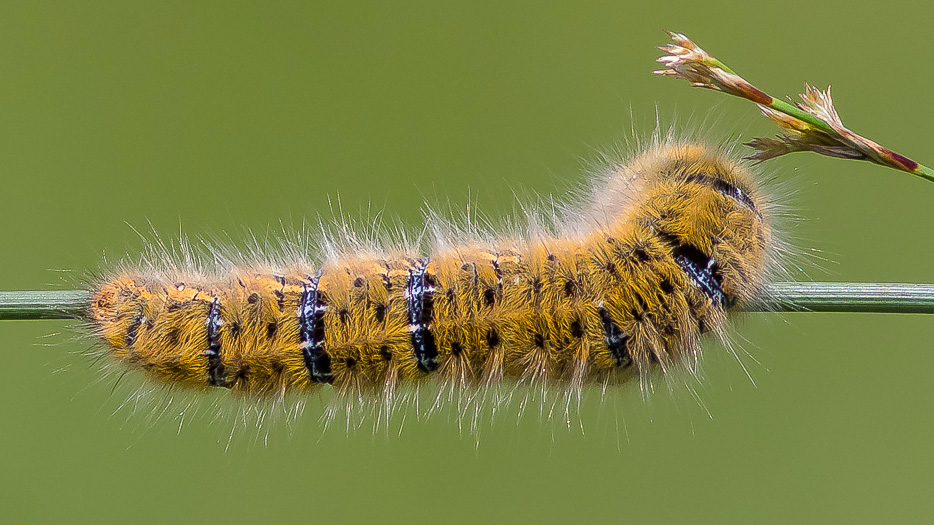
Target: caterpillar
<point>624,283</point>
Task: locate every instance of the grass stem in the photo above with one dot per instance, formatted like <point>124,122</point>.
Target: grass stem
<point>784,297</point>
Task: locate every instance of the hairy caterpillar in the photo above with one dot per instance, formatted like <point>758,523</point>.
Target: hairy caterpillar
<point>661,249</point>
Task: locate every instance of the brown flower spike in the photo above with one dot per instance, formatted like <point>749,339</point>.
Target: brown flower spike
<point>688,61</point>
<point>809,125</point>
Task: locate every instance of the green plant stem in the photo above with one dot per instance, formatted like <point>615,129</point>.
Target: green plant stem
<point>925,172</point>
<point>58,304</point>
<point>783,297</point>
<point>892,298</point>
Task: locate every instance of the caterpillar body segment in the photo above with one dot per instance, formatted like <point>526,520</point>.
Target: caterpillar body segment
<point>672,240</point>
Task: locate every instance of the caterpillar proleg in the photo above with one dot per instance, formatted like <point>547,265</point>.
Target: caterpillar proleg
<point>653,258</point>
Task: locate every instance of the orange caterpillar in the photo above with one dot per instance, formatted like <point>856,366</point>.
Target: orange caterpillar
<point>666,244</point>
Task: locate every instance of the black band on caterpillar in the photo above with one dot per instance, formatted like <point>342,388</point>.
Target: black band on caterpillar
<point>724,188</point>
<point>615,339</point>
<point>419,302</point>
<point>217,374</point>
<point>701,269</point>
<point>311,332</point>
<point>133,329</point>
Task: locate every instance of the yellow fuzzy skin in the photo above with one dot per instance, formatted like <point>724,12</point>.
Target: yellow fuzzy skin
<point>529,310</point>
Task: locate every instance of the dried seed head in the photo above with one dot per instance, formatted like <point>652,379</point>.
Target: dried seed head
<point>688,61</point>
<point>803,136</point>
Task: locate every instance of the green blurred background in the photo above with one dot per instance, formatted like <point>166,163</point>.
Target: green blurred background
<point>218,118</point>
